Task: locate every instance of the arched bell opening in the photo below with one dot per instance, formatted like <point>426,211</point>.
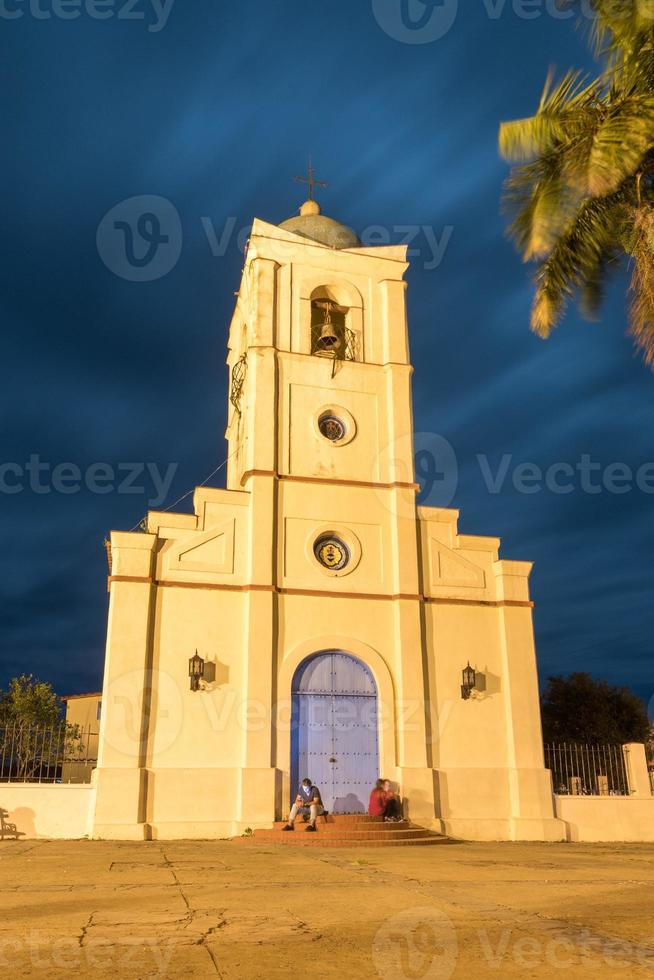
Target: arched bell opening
<point>328,327</point>
<point>331,324</point>
<point>334,732</point>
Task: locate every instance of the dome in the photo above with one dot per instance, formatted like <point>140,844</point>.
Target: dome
<point>310,223</point>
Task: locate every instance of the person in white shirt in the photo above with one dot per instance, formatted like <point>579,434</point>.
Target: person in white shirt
<point>307,801</point>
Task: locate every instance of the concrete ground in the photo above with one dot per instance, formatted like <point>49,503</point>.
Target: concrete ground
<point>220,909</point>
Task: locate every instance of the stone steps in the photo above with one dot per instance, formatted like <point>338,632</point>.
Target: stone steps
<point>347,830</point>
<point>354,835</point>
<point>315,840</point>
<point>331,826</point>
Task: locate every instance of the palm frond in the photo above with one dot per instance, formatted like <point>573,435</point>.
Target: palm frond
<point>616,28</point>
<point>641,310</point>
<point>581,192</point>
<point>540,204</point>
<point>620,143</point>
<point>565,112</point>
<point>576,262</point>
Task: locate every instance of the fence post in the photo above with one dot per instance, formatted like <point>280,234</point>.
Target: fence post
<point>636,762</point>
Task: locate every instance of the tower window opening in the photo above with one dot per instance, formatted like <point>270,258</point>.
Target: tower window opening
<point>329,333</point>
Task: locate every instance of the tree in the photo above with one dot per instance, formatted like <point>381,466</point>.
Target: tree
<point>33,735</point>
<point>29,701</point>
<point>581,196</point>
<point>579,708</point>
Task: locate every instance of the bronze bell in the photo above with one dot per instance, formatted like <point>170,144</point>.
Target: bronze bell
<point>328,340</point>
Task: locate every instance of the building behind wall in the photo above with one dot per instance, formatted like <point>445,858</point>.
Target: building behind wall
<point>83,712</point>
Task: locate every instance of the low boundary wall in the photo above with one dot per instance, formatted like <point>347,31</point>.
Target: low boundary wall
<point>48,810</point>
<point>66,812</point>
<point>607,818</point>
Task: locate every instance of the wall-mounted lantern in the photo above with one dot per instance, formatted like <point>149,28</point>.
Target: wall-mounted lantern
<point>469,681</point>
<point>196,671</point>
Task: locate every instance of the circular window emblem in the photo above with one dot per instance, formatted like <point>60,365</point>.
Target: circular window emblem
<point>331,427</point>
<point>331,552</point>
<point>335,424</point>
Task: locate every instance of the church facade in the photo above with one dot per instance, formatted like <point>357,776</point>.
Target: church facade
<point>331,615</point>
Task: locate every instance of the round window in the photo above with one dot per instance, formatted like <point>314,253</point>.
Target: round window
<point>331,427</point>
<point>332,552</point>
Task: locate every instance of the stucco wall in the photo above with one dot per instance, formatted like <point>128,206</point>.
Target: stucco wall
<point>610,818</point>
<point>238,581</point>
<point>48,810</point>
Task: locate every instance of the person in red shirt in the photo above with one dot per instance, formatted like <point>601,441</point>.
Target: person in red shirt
<point>377,802</point>
<point>383,802</point>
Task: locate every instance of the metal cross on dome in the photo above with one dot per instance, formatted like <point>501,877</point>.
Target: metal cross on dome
<point>311,180</point>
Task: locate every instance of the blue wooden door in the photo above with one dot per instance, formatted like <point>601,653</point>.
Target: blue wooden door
<point>334,730</point>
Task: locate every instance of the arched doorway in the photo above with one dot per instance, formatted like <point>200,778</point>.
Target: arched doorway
<point>334,730</point>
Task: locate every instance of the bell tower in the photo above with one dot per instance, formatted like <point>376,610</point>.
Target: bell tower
<point>318,355</point>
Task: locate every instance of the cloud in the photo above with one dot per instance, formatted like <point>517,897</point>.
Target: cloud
<point>216,113</point>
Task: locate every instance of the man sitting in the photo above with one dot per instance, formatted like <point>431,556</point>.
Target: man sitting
<point>307,801</point>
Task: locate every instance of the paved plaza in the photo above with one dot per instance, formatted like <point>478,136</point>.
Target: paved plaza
<point>220,909</point>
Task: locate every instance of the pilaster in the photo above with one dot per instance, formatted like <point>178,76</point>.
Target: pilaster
<point>121,778</point>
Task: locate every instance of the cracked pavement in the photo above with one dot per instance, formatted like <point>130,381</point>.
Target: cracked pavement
<point>220,909</point>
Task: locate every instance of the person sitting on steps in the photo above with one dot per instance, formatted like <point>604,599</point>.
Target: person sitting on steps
<point>307,801</point>
<point>393,811</point>
<point>384,802</point>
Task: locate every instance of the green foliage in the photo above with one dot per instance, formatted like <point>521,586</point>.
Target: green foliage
<point>581,194</point>
<point>581,709</point>
<point>34,738</point>
<point>29,701</point>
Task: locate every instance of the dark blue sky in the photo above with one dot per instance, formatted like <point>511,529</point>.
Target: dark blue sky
<point>215,112</point>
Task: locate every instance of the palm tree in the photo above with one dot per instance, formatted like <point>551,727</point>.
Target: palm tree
<point>581,193</point>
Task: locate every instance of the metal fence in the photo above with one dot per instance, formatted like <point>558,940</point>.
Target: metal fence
<point>587,770</point>
<point>61,753</point>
